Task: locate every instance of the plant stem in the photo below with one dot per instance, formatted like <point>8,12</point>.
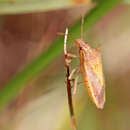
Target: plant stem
<point>69,84</point>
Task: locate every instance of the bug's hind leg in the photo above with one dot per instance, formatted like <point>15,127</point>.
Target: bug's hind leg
<point>72,73</point>
<point>74,80</point>
<point>74,85</point>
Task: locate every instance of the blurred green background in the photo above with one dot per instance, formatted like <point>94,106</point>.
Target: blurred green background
<point>32,74</point>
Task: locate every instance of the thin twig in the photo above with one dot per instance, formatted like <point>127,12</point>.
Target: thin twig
<point>69,84</point>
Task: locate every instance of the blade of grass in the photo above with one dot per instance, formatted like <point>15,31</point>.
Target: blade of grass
<point>12,89</point>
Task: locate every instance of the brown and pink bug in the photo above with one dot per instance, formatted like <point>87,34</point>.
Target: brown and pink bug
<point>91,71</point>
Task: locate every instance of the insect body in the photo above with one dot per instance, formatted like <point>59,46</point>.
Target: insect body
<point>92,74</point>
<point>91,70</point>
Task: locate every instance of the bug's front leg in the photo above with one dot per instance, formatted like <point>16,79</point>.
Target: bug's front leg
<point>69,57</point>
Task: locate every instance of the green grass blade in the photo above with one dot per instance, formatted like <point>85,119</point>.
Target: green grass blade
<point>12,89</point>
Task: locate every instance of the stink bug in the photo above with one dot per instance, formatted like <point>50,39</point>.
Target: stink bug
<point>91,70</point>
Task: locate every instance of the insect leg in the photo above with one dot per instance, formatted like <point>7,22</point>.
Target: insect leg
<point>69,57</point>
<point>81,83</point>
<point>74,80</point>
<point>72,73</point>
<point>72,55</point>
<point>75,85</point>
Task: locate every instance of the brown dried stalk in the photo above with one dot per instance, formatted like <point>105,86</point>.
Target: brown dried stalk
<point>67,61</point>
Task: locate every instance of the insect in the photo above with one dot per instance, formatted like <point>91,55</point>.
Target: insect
<point>91,70</point>
<point>92,73</point>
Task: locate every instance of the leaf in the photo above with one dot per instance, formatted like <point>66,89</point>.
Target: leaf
<point>127,1</point>
<point>26,6</point>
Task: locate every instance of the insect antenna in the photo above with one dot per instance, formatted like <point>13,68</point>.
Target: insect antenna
<point>82,23</point>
